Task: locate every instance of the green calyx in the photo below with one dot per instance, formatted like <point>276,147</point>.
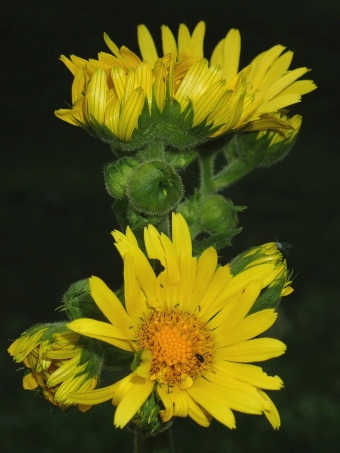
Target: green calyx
<point>147,421</point>
<point>171,127</point>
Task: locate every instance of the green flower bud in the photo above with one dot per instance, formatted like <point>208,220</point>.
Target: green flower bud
<point>154,188</point>
<point>267,147</point>
<point>116,175</point>
<point>212,220</point>
<point>279,143</point>
<point>217,214</point>
<point>78,302</point>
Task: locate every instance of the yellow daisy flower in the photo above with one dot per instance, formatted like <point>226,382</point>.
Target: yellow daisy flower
<point>189,328</point>
<point>57,365</point>
<point>269,84</point>
<point>110,95</point>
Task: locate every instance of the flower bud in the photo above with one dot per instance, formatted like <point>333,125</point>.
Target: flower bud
<point>279,142</point>
<point>214,216</point>
<point>154,188</point>
<point>265,262</point>
<point>78,302</point>
<point>217,214</point>
<point>116,175</point>
<point>267,147</point>
<point>60,361</point>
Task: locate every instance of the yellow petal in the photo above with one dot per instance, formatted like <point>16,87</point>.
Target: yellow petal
<point>181,237</point>
<point>231,54</point>
<point>93,397</point>
<point>248,328</point>
<point>69,64</point>
<point>132,401</point>
<point>103,331</point>
<point>206,267</point>
<point>96,95</point>
<point>251,374</point>
<point>78,86</point>
<point>197,40</point>
<point>212,402</point>
<point>198,413</point>
<point>146,45</point>
<point>29,382</point>
<point>111,306</point>
<point>168,402</point>
<point>135,304</point>
<point>144,272</point>
<point>168,41</point>
<point>255,350</point>
<point>271,414</point>
<point>184,38</point>
<point>130,114</point>
<point>236,395</point>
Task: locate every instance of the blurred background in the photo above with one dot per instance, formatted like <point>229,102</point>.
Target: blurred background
<point>56,216</point>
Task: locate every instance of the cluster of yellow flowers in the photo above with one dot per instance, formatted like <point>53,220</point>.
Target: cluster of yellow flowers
<point>113,90</point>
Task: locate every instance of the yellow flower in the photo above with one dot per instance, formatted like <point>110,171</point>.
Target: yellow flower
<point>110,95</point>
<point>189,328</point>
<point>57,364</point>
<point>269,84</point>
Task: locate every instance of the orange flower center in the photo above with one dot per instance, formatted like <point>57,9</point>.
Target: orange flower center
<point>181,345</point>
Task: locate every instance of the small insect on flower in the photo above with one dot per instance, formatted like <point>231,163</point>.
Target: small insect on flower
<point>199,357</point>
<point>284,247</point>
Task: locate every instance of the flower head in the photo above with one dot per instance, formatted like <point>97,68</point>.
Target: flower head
<point>179,98</point>
<point>190,329</point>
<point>58,363</point>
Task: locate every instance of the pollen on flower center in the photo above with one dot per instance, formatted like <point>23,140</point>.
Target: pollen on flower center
<point>181,345</point>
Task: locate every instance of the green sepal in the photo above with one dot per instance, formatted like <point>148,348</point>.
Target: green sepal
<point>147,421</point>
<point>270,297</point>
<point>78,302</point>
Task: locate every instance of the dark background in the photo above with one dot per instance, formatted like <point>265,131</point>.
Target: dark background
<point>56,216</point>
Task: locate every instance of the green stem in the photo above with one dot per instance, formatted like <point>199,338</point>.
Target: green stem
<point>230,174</point>
<point>162,443</point>
<point>206,162</point>
<point>154,151</point>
